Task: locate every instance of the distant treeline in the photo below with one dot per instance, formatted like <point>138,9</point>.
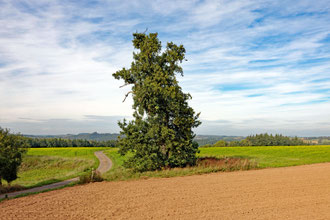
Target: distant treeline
<point>261,140</point>
<point>60,142</point>
<point>212,139</point>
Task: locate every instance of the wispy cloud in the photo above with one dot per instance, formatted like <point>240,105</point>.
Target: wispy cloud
<point>248,61</point>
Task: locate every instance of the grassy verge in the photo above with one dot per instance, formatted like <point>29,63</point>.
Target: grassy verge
<point>33,193</point>
<point>250,158</point>
<point>43,166</point>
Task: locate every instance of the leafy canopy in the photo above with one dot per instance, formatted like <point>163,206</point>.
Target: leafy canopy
<point>161,133</point>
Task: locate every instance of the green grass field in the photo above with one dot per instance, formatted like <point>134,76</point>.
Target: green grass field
<point>274,156</point>
<point>42,166</point>
<point>264,156</point>
<point>118,172</point>
<point>47,165</point>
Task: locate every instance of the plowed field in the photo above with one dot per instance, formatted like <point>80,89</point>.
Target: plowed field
<point>301,192</point>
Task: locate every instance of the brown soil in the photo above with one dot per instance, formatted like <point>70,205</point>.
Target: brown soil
<point>301,192</point>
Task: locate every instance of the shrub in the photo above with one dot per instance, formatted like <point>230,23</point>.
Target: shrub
<point>11,152</point>
<point>92,176</point>
<point>220,143</point>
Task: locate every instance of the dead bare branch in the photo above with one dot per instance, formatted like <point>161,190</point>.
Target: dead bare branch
<point>126,84</point>
<point>145,31</point>
<point>127,95</point>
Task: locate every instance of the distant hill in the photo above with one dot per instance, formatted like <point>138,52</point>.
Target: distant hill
<point>86,136</point>
<point>200,139</point>
<point>212,139</point>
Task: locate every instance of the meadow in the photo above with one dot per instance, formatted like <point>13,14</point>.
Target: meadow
<point>48,165</point>
<point>42,166</point>
<point>273,156</point>
<point>250,158</point>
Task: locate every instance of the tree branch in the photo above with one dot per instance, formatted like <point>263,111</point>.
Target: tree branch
<point>126,84</point>
<point>145,31</point>
<point>127,95</point>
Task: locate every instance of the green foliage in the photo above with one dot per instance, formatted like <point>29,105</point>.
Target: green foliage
<point>11,151</point>
<point>262,140</point>
<point>234,143</point>
<point>161,133</point>
<point>270,140</point>
<point>220,143</point>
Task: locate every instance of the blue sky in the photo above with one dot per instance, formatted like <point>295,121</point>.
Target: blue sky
<point>253,66</point>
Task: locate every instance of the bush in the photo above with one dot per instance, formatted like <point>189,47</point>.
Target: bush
<point>221,143</point>
<point>11,152</point>
<point>92,176</point>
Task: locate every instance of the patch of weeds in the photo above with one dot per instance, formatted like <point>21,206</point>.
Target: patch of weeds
<point>89,177</point>
<point>11,188</point>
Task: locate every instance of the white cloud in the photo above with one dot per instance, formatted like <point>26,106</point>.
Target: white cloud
<point>57,59</point>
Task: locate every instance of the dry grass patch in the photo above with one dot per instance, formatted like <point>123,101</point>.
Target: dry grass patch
<point>227,163</point>
<point>11,188</point>
<point>90,177</point>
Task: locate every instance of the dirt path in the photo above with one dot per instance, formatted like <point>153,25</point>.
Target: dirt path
<point>104,166</point>
<point>105,162</point>
<point>301,192</point>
